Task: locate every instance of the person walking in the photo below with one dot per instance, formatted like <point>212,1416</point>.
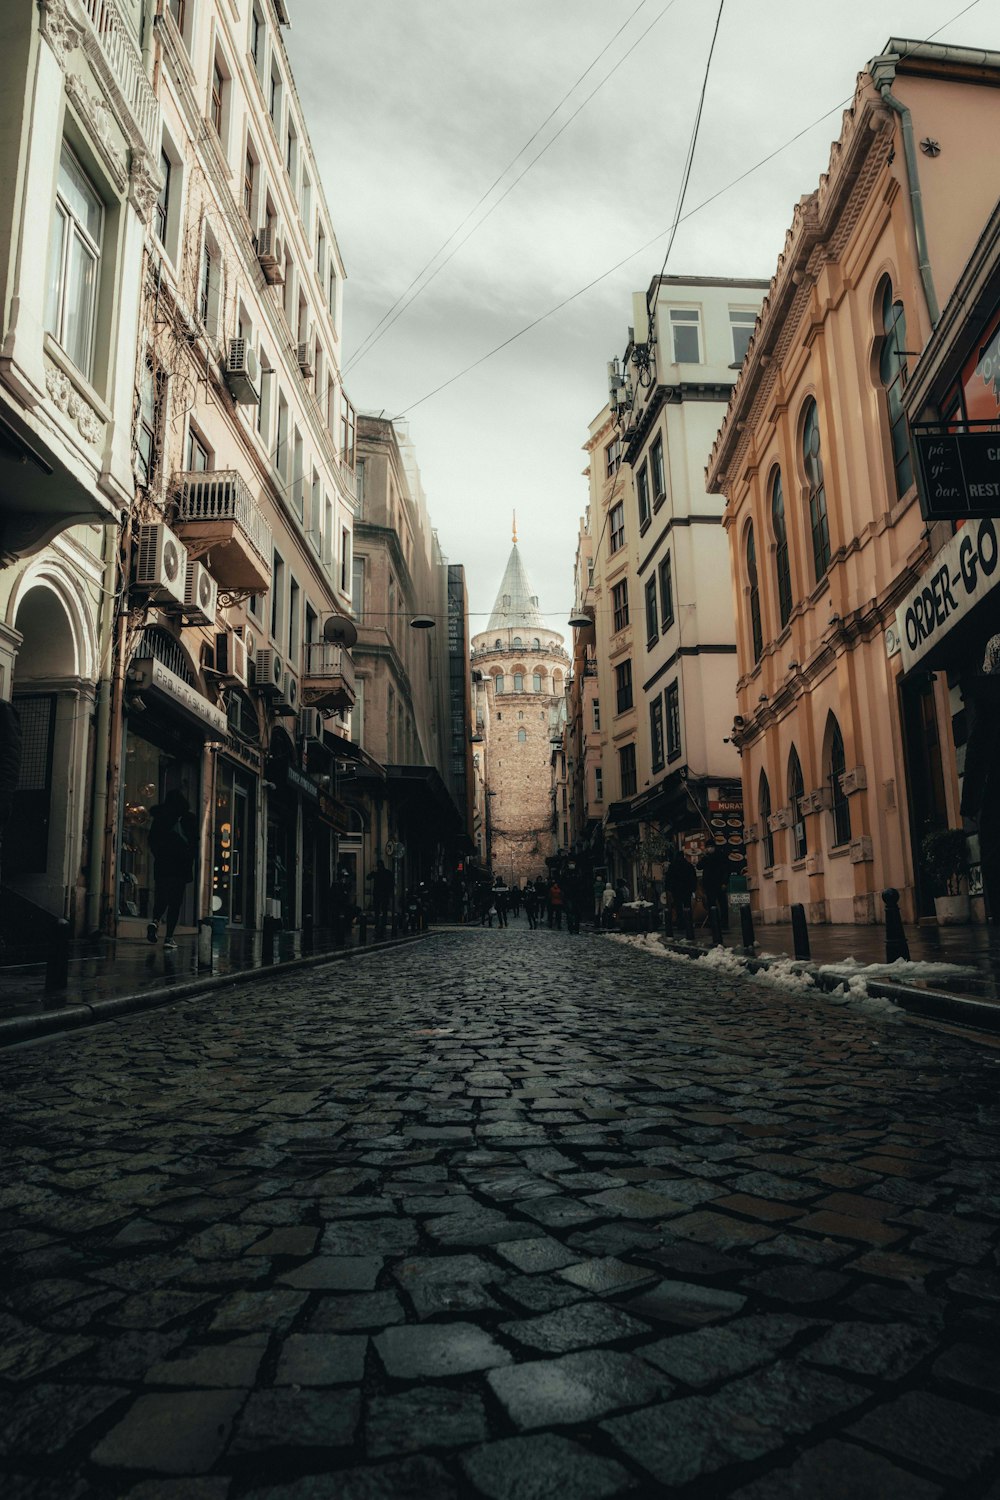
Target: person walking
<point>556,904</point>
<point>682,882</point>
<point>530,900</point>
<point>608,900</point>
<point>173,843</point>
<point>383,891</point>
<point>500,894</point>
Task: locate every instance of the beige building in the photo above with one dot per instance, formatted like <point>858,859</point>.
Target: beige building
<point>847,756</point>
<point>519,671</point>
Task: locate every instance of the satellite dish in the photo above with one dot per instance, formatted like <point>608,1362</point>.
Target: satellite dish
<point>340,630</point>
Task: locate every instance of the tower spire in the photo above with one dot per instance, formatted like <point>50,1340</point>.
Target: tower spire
<point>514,537</point>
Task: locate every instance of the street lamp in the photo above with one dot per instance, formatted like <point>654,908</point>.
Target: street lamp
<point>423,622</point>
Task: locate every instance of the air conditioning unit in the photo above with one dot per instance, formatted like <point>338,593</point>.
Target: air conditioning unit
<point>201,595</point>
<point>306,356</point>
<point>271,254</point>
<point>270,672</point>
<point>243,373</point>
<point>160,564</point>
<point>231,657</point>
<point>310,724</point>
<point>249,639</point>
<point>288,697</point>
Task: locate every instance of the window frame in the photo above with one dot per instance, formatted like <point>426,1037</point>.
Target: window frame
<point>764,816</point>
<point>741,317</point>
<point>619,605</point>
<point>657,741</point>
<point>797,834</point>
<point>782,557</point>
<point>812,468</point>
<point>665,578</point>
<point>893,374</point>
<point>58,312</point>
<point>627,777</point>
<point>672,717</point>
<point>658,471</point>
<point>753,593</point>
<point>616,527</point>
<point>624,693</point>
<point>642,496</point>
<point>685,317</point>
<point>652,616</point>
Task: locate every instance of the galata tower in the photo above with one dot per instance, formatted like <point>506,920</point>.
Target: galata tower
<point>519,676</point>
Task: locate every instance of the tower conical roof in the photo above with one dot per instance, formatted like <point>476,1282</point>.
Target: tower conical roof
<point>516,607</point>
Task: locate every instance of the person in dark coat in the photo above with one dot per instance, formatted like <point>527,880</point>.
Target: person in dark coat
<point>681,881</point>
<point>383,891</point>
<point>530,899</point>
<point>173,843</point>
<point>715,868</point>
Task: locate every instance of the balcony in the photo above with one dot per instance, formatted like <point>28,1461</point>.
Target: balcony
<point>218,520</point>
<point>123,60</point>
<point>328,677</point>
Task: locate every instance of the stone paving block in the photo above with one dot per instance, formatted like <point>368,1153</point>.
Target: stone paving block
<point>321,1359</point>
<point>683,1440</point>
<point>479,1226</point>
<point>221,1240</point>
<point>295,1240</point>
<point>409,1353</point>
<point>249,1312</point>
<point>364,1310</point>
<point>869,1231</point>
<point>30,1352</point>
<point>974,1366</point>
<point>637,1203</point>
<point>757,1208</point>
<point>719,1230</point>
<point>297,1419</point>
<point>687,1258</point>
<point>802,1248</point>
<point>575,1388</point>
<point>560,1212</point>
<point>45,1417</point>
<point>227,1366</point>
<point>607,1276</point>
<point>713,1354</point>
<point>155,1310</point>
<point>181,1489</point>
<point>619,1237</point>
<point>541,1254</point>
<point>175,1434</point>
<point>857,1205</point>
<point>335,1273</point>
<point>886,1351</point>
<point>369,1237</point>
<point>540,1293</point>
<point>834,1469</point>
<point>545,1467</point>
<point>578,1327</point>
<point>798,1285</point>
<point>417,1478</point>
<point>945,1436</point>
<point>686,1304</point>
<point>891,1265</point>
<point>428,1417</point>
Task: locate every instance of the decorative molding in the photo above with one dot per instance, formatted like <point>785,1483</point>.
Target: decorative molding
<point>144,184</point>
<point>854,781</point>
<point>101,122</point>
<point>67,398</point>
<point>861,851</point>
<point>62,33</point>
<point>780,819</point>
<point>818,800</point>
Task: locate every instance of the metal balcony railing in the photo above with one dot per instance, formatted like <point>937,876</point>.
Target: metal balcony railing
<point>223,495</point>
<point>325,661</point>
<point>125,61</point>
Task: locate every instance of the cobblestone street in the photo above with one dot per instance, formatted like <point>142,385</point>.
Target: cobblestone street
<point>508,1214</point>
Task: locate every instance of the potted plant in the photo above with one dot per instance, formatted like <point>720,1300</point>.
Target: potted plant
<point>946,863</point>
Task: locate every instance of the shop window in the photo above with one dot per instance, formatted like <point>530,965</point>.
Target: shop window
<point>764,818</point>
<point>796,791</point>
<point>753,595</point>
<point>782,564</point>
<point>812,461</point>
<point>892,371</point>
<point>839,804</point>
<point>75,263</point>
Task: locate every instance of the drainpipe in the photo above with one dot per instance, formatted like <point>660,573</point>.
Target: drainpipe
<point>102,732</point>
<point>879,69</point>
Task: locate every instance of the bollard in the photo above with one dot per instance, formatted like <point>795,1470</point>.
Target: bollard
<point>715,926</point>
<point>204,944</point>
<point>896,945</point>
<point>362,929</point>
<point>687,918</point>
<point>746,924</point>
<point>268,929</point>
<point>668,921</point>
<point>800,932</point>
<point>57,958</point>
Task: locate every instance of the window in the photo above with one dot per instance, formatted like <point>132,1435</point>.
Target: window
<point>781,562</point>
<point>616,522</point>
<point>672,699</point>
<point>345,560</point>
<point>161,213</point>
<point>149,425</point>
<point>358,588</point>
<point>598,784</point>
<point>612,458</point>
<point>839,805</point>
<point>291,153</point>
<point>320,254</point>
<point>210,284</point>
<point>281,445</point>
<point>659,473</point>
<point>75,262</point>
<point>274,102</point>
<point>498,644</point>
<point>498,682</point>
<point>305,201</point>
<point>215,105</point>
<point>517,643</point>
<point>753,592</point>
<point>518,682</point>
<point>264,408</point>
<point>249,182</point>
<point>623,686</point>
<point>522,735</point>
<point>813,465</point>
<point>198,455</point>
<point>347,433</point>
<point>656,732</point>
<point>652,626</point>
<point>796,791</point>
<point>597,713</point>
<point>257,34</point>
<point>741,324</point>
<point>293,622</point>
<point>685,331</point>
<point>619,605</point>
<point>892,371</point>
<point>178,9</point>
<point>642,496</point>
<point>626,770</point>
<point>536,644</point>
<point>536,682</point>
<point>764,814</point>
<point>277,595</point>
<point>666,575</point>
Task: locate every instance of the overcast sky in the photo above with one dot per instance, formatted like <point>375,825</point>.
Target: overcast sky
<point>415,107</point>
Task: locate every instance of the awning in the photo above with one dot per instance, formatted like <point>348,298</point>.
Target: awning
<point>344,749</point>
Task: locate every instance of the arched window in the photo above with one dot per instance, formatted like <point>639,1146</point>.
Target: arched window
<point>518,679</point>
<point>498,679</point>
<point>517,643</point>
<point>764,815</point>
<point>498,643</point>
<point>892,372</point>
<point>781,563</point>
<point>522,735</point>
<point>839,805</point>
<point>813,465</point>
<point>536,682</point>
<point>796,791</point>
<point>755,630</point>
<point>536,644</point>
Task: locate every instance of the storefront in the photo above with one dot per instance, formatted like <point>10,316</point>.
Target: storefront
<point>167,721</point>
<point>234,835</point>
<point>284,782</point>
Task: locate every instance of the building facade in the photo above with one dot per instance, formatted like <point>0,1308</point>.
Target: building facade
<point>847,764</point>
<point>519,669</point>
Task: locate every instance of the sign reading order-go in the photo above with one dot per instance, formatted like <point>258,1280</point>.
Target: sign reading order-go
<point>961,574</point>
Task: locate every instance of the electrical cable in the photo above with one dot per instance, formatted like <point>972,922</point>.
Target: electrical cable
<point>373,337</point>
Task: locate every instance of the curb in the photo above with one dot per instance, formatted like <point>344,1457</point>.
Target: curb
<point>28,1027</point>
<point>936,1004</point>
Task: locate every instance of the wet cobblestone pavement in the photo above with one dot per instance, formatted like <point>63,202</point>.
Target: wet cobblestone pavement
<point>508,1214</point>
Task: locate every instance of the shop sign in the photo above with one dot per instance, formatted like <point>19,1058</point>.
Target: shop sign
<point>334,813</point>
<point>959,473</point>
<point>148,674</point>
<point>960,576</point>
<point>301,783</point>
